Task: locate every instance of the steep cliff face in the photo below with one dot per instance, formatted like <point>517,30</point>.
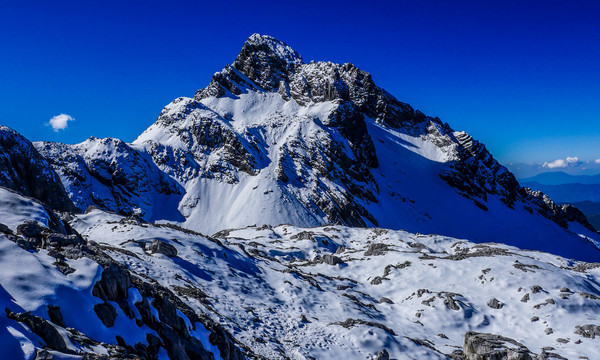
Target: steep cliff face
<point>24,170</point>
<point>274,140</point>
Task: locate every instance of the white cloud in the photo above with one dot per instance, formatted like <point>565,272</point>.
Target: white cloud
<point>572,160</point>
<point>597,161</point>
<point>59,122</point>
<point>562,163</point>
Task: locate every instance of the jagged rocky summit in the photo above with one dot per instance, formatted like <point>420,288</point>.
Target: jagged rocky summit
<point>275,140</point>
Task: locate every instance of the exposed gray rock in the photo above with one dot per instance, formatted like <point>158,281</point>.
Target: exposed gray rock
<point>495,304</point>
<point>536,289</point>
<point>29,173</point>
<point>43,354</point>
<point>385,300</point>
<point>303,235</point>
<point>55,315</point>
<point>162,247</point>
<point>383,355</point>
<point>113,284</point>
<point>106,313</point>
<point>451,303</point>
<point>5,229</point>
<point>588,331</point>
<point>525,298</point>
<point>482,346</point>
<point>30,228</point>
<point>547,302</point>
<point>589,296</point>
<point>376,249</point>
<point>41,328</point>
<point>60,240</point>
<point>549,331</point>
<point>331,259</point>
<point>349,323</point>
<point>544,355</point>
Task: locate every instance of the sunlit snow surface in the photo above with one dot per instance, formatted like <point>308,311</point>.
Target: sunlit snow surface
<point>262,297</point>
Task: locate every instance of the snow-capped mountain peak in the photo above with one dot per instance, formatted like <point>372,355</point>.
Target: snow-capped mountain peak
<point>274,140</point>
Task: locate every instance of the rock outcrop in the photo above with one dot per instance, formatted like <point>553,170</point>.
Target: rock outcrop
<point>24,170</point>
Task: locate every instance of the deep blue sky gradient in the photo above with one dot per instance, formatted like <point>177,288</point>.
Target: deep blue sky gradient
<point>523,77</point>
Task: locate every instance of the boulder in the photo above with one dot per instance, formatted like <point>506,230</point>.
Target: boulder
<point>482,346</point>
<point>55,315</point>
<point>331,259</point>
<point>41,328</point>
<point>106,313</point>
<point>30,228</point>
<point>376,249</point>
<point>60,240</point>
<point>113,284</point>
<point>383,355</point>
<point>5,229</point>
<point>161,247</point>
<point>495,304</point>
<point>588,331</point>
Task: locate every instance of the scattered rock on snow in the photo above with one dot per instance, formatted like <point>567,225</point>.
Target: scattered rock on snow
<point>5,229</point>
<point>55,315</point>
<point>588,331</point>
<point>30,228</point>
<point>41,328</point>
<point>106,313</point>
<point>495,304</point>
<point>383,355</point>
<point>376,249</point>
<point>385,300</point>
<point>161,247</point>
<point>481,346</point>
<point>331,259</point>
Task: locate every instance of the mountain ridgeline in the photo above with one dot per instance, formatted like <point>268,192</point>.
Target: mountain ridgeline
<point>273,139</point>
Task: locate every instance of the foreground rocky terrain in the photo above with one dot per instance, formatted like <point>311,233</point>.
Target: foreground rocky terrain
<point>100,283</point>
<point>345,224</point>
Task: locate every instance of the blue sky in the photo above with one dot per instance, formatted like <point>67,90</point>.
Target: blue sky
<point>522,77</point>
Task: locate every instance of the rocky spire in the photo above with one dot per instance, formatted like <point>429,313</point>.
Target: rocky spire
<point>267,61</point>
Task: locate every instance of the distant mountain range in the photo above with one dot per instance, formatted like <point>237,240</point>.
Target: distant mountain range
<point>581,191</point>
<point>561,178</point>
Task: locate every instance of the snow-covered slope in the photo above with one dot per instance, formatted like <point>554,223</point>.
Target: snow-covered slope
<point>64,297</point>
<point>131,289</point>
<point>274,140</point>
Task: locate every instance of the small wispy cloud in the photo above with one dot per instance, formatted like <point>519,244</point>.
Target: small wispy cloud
<point>562,163</point>
<point>60,122</point>
<point>597,161</point>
